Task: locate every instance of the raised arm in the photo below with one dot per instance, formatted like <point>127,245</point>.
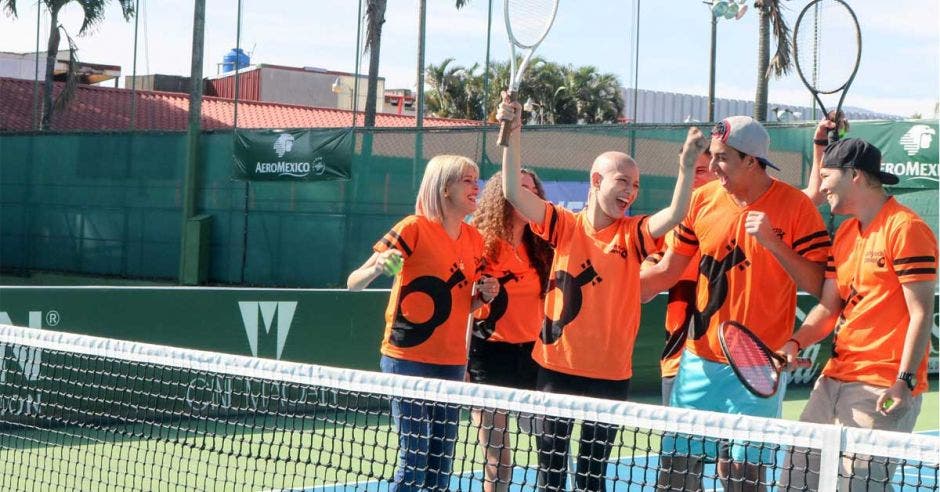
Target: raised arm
<point>527,203</point>
<point>820,140</point>
<point>807,274</point>
<point>663,221</point>
<point>663,275</point>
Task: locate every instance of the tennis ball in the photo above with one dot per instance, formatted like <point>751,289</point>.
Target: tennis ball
<point>393,265</point>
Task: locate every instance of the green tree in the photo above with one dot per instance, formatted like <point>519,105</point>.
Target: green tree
<point>770,14</point>
<point>558,94</point>
<point>93,15</point>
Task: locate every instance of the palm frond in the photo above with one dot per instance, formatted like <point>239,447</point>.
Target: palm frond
<point>71,75</point>
<point>375,17</point>
<point>781,62</point>
<point>9,6</point>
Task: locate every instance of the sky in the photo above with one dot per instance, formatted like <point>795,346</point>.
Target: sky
<point>899,72</point>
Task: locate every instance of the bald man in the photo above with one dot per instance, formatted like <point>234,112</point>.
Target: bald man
<point>592,308</point>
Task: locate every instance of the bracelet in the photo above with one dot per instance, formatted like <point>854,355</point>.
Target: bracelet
<point>798,346</point>
<point>821,141</point>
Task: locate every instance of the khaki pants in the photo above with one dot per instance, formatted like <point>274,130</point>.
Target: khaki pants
<point>852,405</point>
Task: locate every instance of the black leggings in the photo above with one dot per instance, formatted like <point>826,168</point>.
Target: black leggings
<point>596,438</point>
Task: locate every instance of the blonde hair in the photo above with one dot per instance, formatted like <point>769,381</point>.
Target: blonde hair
<point>441,172</point>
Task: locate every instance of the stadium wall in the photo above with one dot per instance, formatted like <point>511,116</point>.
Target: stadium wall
<point>319,326</point>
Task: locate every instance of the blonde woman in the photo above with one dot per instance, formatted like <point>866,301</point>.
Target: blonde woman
<point>504,331</point>
<point>433,253</point>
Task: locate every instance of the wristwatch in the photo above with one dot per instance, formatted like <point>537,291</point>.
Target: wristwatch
<point>909,379</point>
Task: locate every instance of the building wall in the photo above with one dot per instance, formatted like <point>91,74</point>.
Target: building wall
<point>313,88</point>
<point>669,107</point>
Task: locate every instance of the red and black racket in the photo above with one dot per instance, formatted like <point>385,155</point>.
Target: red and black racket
<point>755,364</point>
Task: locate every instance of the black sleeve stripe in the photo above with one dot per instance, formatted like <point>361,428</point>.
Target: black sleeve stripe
<point>917,271</point>
<point>686,240</point>
<point>915,259</point>
<point>641,241</point>
<point>401,243</point>
<point>830,269</point>
<point>553,221</point>
<point>806,239</point>
<point>821,244</point>
<point>685,229</point>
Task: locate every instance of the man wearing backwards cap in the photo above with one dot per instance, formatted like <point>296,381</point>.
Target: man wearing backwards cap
<point>878,296</point>
<point>759,239</point>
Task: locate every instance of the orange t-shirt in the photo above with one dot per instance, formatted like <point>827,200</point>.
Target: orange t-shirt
<point>426,319</point>
<point>738,278</point>
<point>679,307</point>
<point>592,308</point>
<point>869,267</point>
<point>515,315</point>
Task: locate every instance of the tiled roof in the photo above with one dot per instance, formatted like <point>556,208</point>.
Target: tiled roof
<point>103,108</point>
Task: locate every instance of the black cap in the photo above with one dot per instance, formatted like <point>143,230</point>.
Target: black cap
<point>854,153</point>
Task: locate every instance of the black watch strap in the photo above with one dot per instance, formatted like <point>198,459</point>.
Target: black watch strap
<point>908,378</point>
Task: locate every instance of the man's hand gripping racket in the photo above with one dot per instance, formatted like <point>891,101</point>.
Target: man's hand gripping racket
<point>753,362</point>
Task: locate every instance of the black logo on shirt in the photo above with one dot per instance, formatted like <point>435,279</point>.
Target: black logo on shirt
<point>484,328</point>
<point>715,271</point>
<point>571,299</point>
<point>406,333</point>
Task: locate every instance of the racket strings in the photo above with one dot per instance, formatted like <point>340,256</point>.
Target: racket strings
<point>827,45</point>
<point>754,366</point>
<point>529,20</point>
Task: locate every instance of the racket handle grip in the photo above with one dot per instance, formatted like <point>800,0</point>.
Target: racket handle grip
<point>802,362</point>
<point>504,131</point>
<point>505,127</point>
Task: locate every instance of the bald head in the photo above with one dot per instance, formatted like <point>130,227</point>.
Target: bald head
<point>613,161</point>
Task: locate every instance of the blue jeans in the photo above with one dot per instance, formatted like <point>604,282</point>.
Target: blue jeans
<point>427,431</point>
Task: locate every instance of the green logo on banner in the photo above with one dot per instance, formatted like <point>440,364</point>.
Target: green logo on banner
<point>293,155</point>
<point>911,154</point>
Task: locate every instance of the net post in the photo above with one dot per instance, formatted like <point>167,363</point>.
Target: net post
<point>833,442</point>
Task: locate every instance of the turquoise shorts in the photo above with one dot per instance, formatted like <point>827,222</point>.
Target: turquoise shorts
<point>705,385</point>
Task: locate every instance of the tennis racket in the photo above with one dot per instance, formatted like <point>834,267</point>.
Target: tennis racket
<point>753,362</point>
<point>527,24</point>
<point>829,24</point>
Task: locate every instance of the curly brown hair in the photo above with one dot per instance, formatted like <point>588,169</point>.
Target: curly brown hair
<point>494,218</point>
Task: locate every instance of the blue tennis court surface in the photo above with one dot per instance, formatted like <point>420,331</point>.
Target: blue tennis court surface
<point>634,473</point>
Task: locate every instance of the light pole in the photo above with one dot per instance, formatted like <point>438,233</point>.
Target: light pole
<point>728,9</point>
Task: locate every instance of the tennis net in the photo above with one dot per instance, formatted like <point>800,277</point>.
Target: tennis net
<point>87,413</point>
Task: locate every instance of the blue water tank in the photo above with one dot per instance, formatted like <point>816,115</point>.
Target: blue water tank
<point>233,58</point>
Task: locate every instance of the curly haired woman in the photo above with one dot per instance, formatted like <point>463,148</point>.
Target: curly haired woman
<point>505,330</point>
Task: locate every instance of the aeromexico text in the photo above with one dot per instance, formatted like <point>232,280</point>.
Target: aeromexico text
<point>283,167</point>
<point>912,169</point>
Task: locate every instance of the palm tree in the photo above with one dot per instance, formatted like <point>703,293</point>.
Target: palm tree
<point>375,17</point>
<point>93,15</point>
<point>770,13</point>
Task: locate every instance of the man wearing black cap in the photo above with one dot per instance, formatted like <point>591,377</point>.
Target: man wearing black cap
<point>878,297</point>
<point>760,240</point>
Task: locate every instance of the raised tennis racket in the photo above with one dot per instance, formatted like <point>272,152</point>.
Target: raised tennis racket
<point>527,24</point>
<point>827,48</point>
<point>755,364</point>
